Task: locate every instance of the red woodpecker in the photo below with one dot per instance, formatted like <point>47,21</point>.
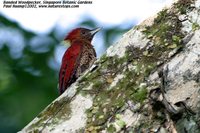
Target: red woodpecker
<point>78,57</point>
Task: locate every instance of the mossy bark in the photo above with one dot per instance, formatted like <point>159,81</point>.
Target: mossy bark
<point>147,82</point>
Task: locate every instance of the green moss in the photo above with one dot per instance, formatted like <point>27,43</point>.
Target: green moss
<point>140,95</point>
<point>56,111</point>
<point>121,123</point>
<point>97,84</point>
<point>165,35</point>
<point>166,30</point>
<point>83,79</point>
<point>111,129</point>
<point>103,58</point>
<point>94,75</point>
<point>81,130</point>
<point>35,131</point>
<point>195,26</point>
<point>107,102</point>
<point>183,5</point>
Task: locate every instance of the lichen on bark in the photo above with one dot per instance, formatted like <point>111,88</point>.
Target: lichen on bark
<point>140,84</point>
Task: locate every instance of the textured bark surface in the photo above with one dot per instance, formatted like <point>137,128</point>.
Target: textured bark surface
<point>149,81</point>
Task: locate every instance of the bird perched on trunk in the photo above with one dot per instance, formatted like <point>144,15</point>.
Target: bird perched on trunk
<point>78,57</point>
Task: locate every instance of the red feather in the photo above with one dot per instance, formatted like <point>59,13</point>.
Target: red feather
<point>68,67</point>
<point>78,57</point>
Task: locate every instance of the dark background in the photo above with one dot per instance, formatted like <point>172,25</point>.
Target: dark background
<point>29,69</point>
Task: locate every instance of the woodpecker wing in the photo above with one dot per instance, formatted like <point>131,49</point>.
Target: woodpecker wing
<point>69,65</point>
<point>88,56</point>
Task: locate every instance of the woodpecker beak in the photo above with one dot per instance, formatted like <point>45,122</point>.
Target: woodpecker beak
<point>94,31</point>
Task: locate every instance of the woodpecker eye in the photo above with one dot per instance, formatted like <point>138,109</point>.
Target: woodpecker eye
<point>83,32</point>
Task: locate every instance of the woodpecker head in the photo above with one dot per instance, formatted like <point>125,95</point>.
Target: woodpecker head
<point>81,33</point>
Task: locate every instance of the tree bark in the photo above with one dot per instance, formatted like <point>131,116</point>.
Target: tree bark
<point>149,81</point>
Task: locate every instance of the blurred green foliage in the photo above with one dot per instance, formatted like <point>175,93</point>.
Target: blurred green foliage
<point>28,82</point>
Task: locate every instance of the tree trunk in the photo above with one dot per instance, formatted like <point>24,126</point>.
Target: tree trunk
<point>149,81</point>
